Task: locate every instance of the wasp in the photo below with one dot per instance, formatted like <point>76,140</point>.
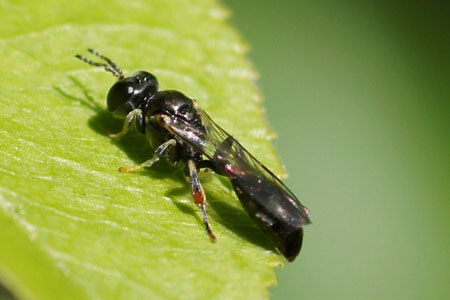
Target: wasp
<point>181,131</point>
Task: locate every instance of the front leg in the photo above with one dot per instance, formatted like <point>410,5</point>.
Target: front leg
<point>132,115</point>
<point>199,195</point>
<point>163,149</point>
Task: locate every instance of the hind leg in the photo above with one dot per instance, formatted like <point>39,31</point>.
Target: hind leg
<point>199,195</point>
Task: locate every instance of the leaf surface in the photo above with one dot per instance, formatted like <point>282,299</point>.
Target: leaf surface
<point>72,226</point>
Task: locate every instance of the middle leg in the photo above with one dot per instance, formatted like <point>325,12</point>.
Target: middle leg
<point>163,149</point>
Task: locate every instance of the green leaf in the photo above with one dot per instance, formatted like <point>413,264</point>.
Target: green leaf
<point>72,226</point>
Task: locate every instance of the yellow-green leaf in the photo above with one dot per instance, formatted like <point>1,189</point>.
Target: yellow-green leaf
<point>71,225</point>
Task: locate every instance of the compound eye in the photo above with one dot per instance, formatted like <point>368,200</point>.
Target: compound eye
<point>118,96</point>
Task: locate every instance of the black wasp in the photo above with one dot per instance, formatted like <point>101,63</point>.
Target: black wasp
<point>181,131</point>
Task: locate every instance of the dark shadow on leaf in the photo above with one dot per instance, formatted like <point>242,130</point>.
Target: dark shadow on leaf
<point>137,148</point>
<point>233,218</point>
<point>176,194</point>
<point>239,222</point>
<point>86,101</point>
<point>6,294</point>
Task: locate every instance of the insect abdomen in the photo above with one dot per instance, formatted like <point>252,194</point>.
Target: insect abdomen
<point>272,211</point>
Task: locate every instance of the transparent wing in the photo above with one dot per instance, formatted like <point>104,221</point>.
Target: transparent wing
<point>217,145</point>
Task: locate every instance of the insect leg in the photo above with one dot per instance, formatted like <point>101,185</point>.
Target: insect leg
<point>199,195</point>
<point>160,151</point>
<point>132,115</point>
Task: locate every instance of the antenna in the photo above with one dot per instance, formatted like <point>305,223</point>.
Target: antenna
<point>109,67</point>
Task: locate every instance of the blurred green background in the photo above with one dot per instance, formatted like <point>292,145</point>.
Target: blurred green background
<point>359,92</point>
